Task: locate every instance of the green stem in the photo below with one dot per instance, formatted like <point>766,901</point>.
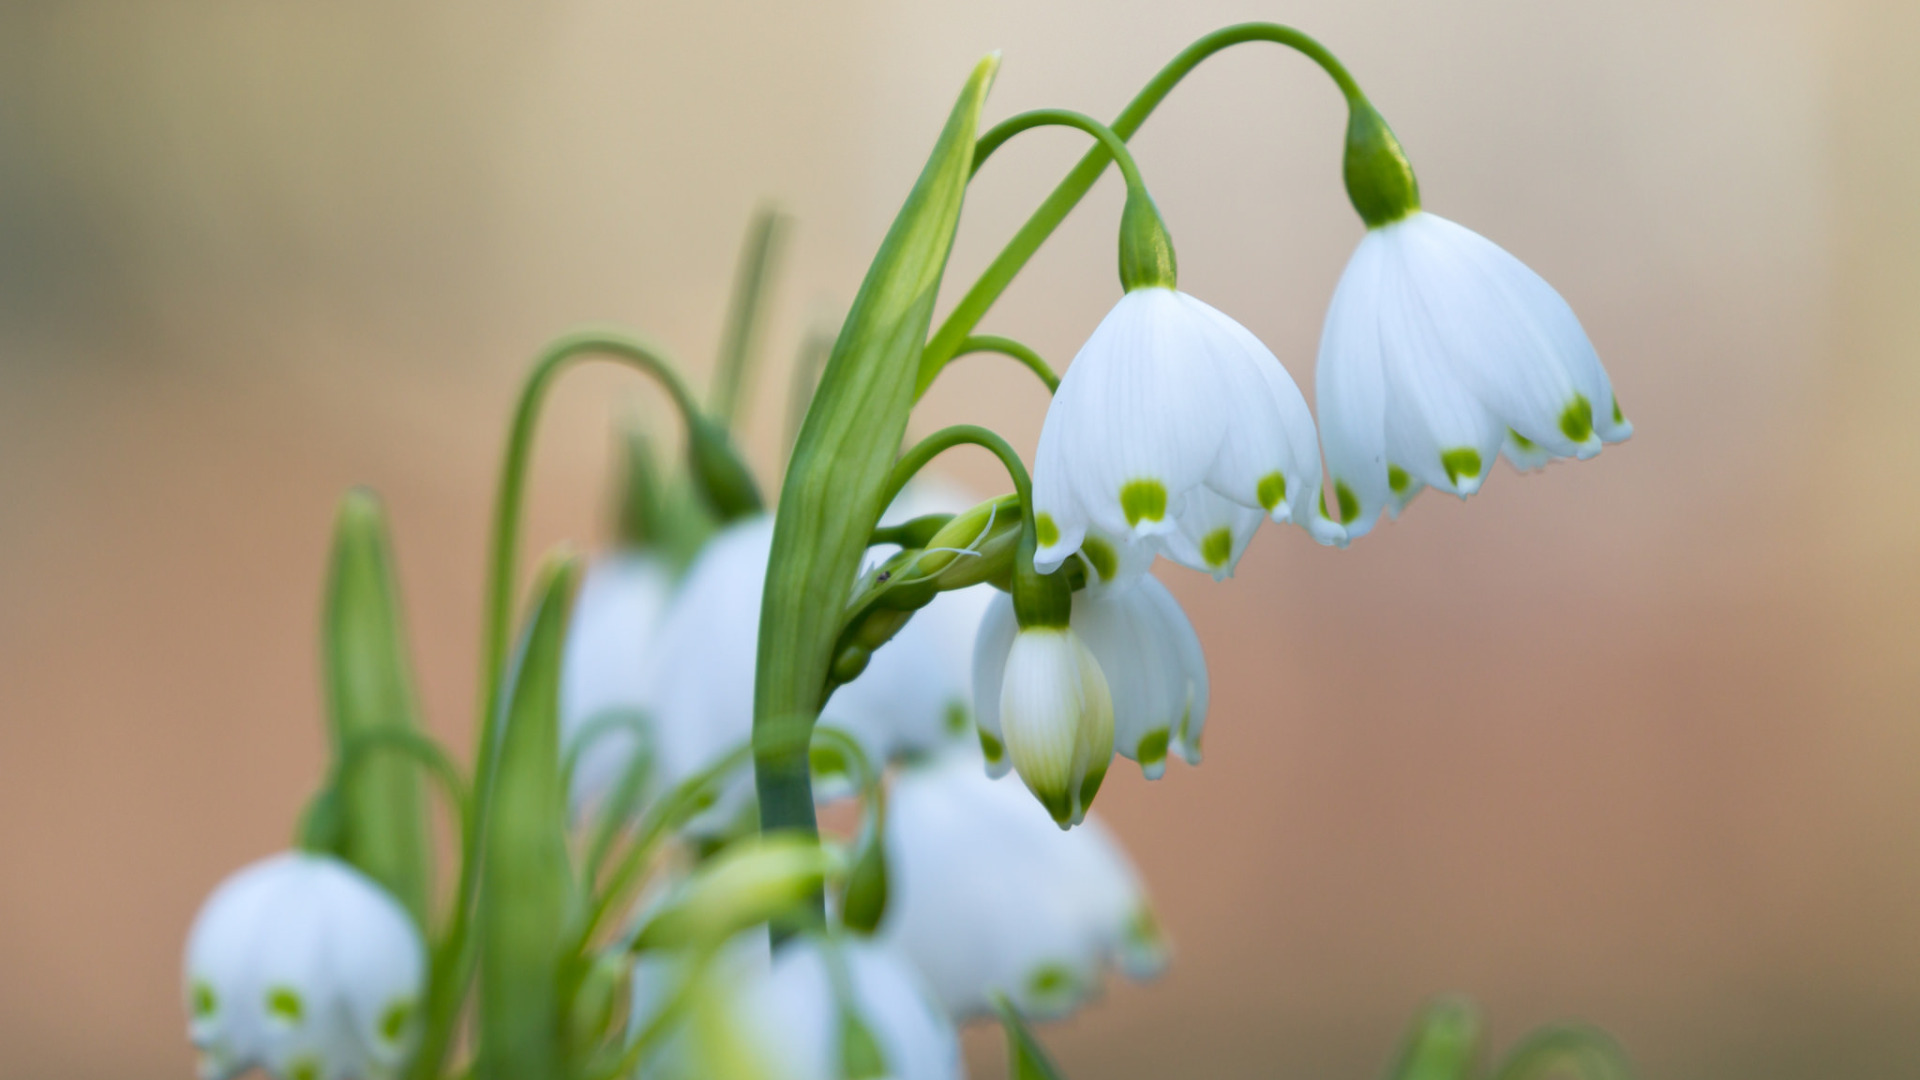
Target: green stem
<point>1000,133</point>
<point>994,280</point>
<point>453,960</point>
<point>422,750</point>
<point>983,343</point>
<point>946,439</point>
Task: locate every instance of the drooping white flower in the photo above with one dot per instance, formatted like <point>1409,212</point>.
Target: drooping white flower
<point>989,897</point>
<point>1169,402</point>
<point>820,1011</point>
<point>1440,352</point>
<point>1141,641</point>
<point>1043,707</point>
<point>303,966</point>
<point>604,696</point>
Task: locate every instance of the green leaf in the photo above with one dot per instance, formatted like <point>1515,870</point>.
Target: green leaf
<point>1444,1043</point>
<point>369,685</point>
<point>526,901</point>
<point>841,463</point>
<point>1566,1052</point>
<point>1026,1059</point>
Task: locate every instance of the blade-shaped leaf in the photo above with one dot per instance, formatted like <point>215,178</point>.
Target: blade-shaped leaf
<point>853,430</point>
<point>1026,1059</point>
<point>526,884</point>
<point>1443,1043</point>
<point>369,685</point>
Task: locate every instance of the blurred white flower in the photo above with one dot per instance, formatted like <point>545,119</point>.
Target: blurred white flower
<point>1142,643</point>
<point>1441,351</point>
<point>303,966</point>
<point>987,896</point>
<point>1168,403</point>
<point>604,694</point>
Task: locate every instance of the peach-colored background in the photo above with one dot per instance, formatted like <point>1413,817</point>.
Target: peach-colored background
<point>1633,740</point>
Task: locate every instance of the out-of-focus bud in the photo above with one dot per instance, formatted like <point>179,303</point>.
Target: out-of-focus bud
<point>722,478</point>
<point>302,966</point>
<point>989,898</point>
<point>748,883</point>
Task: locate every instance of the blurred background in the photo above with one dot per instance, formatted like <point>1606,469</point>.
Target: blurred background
<point>1633,741</point>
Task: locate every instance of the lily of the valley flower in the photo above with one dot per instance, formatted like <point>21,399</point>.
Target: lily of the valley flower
<point>1442,351</point>
<point>1138,638</point>
<point>604,695</point>
<point>302,966</point>
<point>1175,424</point>
<point>990,899</point>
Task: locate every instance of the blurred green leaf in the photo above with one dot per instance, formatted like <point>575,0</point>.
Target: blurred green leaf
<point>1566,1052</point>
<point>1444,1042</point>
<point>526,902</point>
<point>369,685</point>
<point>1026,1059</point>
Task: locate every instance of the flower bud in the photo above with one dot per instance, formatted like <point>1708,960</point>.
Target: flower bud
<point>302,966</point>
<point>1057,717</point>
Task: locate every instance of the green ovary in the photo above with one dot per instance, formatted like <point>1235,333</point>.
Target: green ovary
<point>1101,557</point>
<point>1461,461</point>
<point>1217,547</point>
<point>1143,500</point>
<point>1397,479</point>
<point>1577,422</point>
<point>1045,531</point>
<point>1272,491</point>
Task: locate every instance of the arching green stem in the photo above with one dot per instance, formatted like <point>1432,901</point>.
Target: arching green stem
<point>995,279</point>
<point>984,343</point>
<point>1115,146</point>
<point>946,439</point>
<point>423,750</point>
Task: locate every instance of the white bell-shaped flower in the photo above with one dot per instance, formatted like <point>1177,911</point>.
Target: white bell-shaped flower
<point>1043,706</point>
<point>988,897</point>
<point>1442,351</point>
<point>303,966</point>
<point>1142,642</point>
<point>604,696</point>
<point>1168,403</point>
<point>826,1011</point>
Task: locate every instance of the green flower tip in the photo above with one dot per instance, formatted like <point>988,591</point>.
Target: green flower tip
<point>1380,181</point>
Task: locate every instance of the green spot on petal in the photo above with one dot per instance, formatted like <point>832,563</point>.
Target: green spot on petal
<point>1618,416</point>
<point>1272,491</point>
<point>1217,547</point>
<point>1397,479</point>
<point>1101,557</point>
<point>393,1022</point>
<point>1577,422</point>
<point>1143,500</point>
<point>1142,928</point>
<point>1461,461</point>
<point>304,1069</point>
<point>957,718</point>
<point>1045,531</point>
<point>1153,747</point>
<point>1342,494</point>
<point>1522,441</point>
<point>991,747</point>
<point>285,1004</point>
<point>1051,980</point>
<point>204,1000</point>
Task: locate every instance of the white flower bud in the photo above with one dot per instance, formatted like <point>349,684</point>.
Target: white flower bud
<point>302,966</point>
<point>988,898</point>
<point>1056,716</point>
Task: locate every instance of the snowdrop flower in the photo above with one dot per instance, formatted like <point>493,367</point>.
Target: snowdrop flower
<point>1140,640</point>
<point>989,898</point>
<point>1174,425</point>
<point>1441,351</point>
<point>302,966</point>
<point>602,675</point>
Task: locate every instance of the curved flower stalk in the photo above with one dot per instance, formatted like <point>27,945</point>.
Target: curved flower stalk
<point>1174,426</point>
<point>604,688</point>
<point>989,898</point>
<point>1140,640</point>
<point>302,966</point>
<point>1442,351</point>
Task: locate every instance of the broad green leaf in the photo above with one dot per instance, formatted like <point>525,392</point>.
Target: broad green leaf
<point>834,487</point>
<point>526,900</point>
<point>1444,1043</point>
<point>369,686</point>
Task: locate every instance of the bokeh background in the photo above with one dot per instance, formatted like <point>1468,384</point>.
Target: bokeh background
<point>1632,741</point>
